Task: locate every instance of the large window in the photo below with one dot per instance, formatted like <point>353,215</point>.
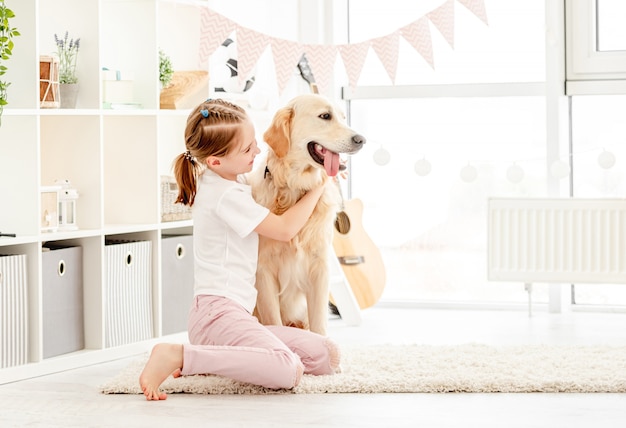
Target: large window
<point>596,51</point>
<point>599,156</point>
<point>431,225</point>
<point>423,205</point>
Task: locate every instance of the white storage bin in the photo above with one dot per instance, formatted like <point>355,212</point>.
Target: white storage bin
<point>13,311</point>
<point>128,292</point>
<point>63,320</point>
<point>177,282</point>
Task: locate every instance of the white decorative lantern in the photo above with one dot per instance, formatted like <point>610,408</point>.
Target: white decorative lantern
<point>515,174</point>
<point>606,160</point>
<point>49,216</point>
<point>559,169</point>
<point>468,173</point>
<point>382,156</point>
<point>422,167</point>
<point>67,205</point>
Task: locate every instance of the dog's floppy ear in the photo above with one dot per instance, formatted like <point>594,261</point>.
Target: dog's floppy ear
<point>278,134</point>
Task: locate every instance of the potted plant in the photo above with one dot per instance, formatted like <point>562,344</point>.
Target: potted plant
<point>6,49</point>
<point>166,72</point>
<point>67,51</point>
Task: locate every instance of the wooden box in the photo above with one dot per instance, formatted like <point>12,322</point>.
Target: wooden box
<point>49,82</point>
<point>187,90</point>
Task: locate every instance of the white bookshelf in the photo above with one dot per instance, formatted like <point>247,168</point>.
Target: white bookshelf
<point>113,157</point>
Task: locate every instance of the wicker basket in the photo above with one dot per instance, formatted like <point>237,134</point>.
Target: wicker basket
<point>171,211</point>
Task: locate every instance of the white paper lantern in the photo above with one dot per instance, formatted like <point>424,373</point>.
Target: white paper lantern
<point>382,157</point>
<point>559,169</point>
<point>606,160</point>
<point>515,174</point>
<point>422,167</point>
<point>468,173</point>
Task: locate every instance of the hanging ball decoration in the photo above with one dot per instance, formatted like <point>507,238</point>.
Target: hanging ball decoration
<point>422,167</point>
<point>559,169</point>
<point>468,173</point>
<point>515,174</point>
<point>382,157</point>
<point>606,159</point>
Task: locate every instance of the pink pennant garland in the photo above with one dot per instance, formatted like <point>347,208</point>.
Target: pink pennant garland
<point>387,50</point>
<point>353,57</point>
<point>214,29</point>
<point>443,19</point>
<point>250,47</point>
<point>477,7</point>
<point>322,61</point>
<point>418,36</point>
<point>286,55</point>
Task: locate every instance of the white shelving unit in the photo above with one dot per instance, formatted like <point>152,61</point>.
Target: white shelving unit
<point>113,157</point>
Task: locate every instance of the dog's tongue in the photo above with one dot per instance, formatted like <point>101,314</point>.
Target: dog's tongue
<point>331,162</point>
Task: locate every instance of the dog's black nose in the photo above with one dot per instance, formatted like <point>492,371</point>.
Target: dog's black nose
<point>358,139</point>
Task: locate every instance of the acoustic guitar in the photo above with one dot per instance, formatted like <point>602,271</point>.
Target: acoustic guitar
<point>360,259</point>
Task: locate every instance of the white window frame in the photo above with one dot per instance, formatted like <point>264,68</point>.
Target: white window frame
<point>590,71</point>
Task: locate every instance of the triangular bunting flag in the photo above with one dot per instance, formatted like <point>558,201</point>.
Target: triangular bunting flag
<point>250,46</point>
<point>477,7</point>
<point>286,55</point>
<point>214,29</point>
<point>418,36</point>
<point>353,57</point>
<point>322,61</point>
<point>387,50</point>
<point>443,19</point>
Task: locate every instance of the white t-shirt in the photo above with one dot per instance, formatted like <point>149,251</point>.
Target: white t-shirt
<point>225,245</point>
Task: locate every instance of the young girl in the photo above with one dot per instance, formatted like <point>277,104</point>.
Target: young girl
<point>225,338</point>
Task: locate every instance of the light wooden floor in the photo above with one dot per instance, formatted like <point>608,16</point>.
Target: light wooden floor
<point>71,399</point>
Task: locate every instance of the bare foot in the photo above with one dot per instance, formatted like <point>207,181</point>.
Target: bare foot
<point>164,360</point>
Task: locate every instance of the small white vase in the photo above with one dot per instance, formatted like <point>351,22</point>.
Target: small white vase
<point>68,92</point>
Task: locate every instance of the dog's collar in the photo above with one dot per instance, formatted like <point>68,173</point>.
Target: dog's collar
<point>267,171</point>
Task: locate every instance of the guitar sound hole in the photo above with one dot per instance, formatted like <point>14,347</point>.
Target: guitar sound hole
<point>342,223</point>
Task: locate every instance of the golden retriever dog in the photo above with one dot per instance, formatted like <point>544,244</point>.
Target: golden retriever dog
<point>305,140</point>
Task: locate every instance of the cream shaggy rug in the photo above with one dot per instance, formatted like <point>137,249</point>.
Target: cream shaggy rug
<point>425,368</point>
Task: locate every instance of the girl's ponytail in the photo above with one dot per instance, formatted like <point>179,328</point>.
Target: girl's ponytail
<point>186,171</point>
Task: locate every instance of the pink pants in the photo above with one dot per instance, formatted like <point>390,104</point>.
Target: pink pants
<point>227,340</point>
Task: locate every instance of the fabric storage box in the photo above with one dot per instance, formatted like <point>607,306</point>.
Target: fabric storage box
<point>170,210</point>
<point>13,311</point>
<point>117,87</point>
<point>177,282</point>
<point>62,300</point>
<point>128,292</point>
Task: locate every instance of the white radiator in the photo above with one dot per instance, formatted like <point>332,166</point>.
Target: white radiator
<point>13,311</point>
<point>557,240</point>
